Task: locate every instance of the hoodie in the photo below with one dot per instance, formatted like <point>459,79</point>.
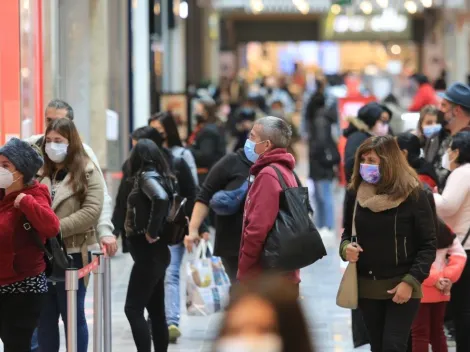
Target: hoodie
<point>20,257</point>
<point>426,95</point>
<point>356,133</point>
<point>262,208</point>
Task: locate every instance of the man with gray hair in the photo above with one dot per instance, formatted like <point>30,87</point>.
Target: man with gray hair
<point>267,149</point>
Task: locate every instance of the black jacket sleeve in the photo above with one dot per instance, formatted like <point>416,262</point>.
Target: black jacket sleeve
<point>186,184</point>
<point>349,202</point>
<point>160,203</point>
<point>120,207</point>
<point>217,179</point>
<point>425,232</point>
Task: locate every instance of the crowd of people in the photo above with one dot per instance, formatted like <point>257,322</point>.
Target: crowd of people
<point>413,276</point>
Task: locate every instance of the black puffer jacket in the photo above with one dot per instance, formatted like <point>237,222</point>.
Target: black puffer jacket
<point>396,242</point>
<point>356,133</point>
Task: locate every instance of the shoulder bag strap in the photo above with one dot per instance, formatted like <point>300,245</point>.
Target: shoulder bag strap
<point>281,179</point>
<point>37,240</point>
<point>354,233</point>
<point>466,238</point>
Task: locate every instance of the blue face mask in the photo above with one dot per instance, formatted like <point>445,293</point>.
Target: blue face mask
<point>431,130</point>
<point>250,150</point>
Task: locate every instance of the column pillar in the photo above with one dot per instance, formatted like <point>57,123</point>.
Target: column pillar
<point>141,62</point>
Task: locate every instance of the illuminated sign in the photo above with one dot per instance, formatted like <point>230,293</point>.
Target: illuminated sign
<point>386,26</point>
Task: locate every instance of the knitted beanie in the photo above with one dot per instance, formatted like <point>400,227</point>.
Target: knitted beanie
<point>25,158</point>
<point>370,113</point>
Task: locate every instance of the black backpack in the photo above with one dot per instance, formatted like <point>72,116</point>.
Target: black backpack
<point>55,254</point>
<point>293,242</point>
<point>176,224</point>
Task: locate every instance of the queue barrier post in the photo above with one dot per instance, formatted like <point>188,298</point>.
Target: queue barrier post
<point>71,287</point>
<point>98,303</point>
<point>107,304</point>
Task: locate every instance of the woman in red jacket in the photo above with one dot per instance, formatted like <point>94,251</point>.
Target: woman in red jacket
<point>426,95</point>
<point>22,266</point>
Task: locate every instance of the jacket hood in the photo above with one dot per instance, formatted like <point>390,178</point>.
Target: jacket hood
<point>275,156</point>
<point>35,189</point>
<point>241,153</point>
<point>355,125</point>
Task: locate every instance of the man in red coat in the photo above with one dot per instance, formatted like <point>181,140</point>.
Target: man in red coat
<point>266,146</point>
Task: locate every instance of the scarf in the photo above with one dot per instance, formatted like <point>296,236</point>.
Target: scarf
<point>368,198</point>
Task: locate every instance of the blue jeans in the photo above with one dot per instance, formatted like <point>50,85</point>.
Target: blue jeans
<point>172,285</point>
<point>324,199</point>
<point>55,306</point>
<point>35,342</point>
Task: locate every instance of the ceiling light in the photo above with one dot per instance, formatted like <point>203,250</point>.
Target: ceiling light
<point>411,6</point>
<point>257,6</point>
<point>382,3</point>
<point>426,3</point>
<point>395,49</point>
<point>184,10</point>
<point>366,7</point>
<point>335,9</point>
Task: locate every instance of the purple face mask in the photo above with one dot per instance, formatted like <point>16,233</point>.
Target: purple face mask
<point>370,173</point>
<point>380,128</point>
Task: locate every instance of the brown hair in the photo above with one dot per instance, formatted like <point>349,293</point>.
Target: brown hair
<point>76,160</point>
<point>210,107</point>
<point>397,178</point>
<point>283,298</point>
<point>427,110</point>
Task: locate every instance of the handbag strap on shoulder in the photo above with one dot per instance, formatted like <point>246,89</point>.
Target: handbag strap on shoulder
<point>37,240</point>
<point>281,179</point>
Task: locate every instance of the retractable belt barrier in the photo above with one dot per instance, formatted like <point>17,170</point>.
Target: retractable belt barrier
<point>102,328</point>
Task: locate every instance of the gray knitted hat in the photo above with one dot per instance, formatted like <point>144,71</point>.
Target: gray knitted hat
<point>25,158</point>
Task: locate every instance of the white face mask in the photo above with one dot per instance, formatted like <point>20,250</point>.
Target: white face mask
<point>6,178</point>
<point>265,343</point>
<point>56,151</point>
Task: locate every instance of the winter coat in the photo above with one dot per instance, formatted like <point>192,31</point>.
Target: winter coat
<point>228,174</point>
<point>20,257</point>
<point>356,133</point>
<point>323,151</point>
<point>262,208</point>
<point>426,95</point>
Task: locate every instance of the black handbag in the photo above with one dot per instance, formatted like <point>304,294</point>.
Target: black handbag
<point>55,254</point>
<point>293,242</point>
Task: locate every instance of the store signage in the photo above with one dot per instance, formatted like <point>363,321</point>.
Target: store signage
<point>385,26</point>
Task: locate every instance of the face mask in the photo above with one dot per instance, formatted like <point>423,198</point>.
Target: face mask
<point>380,129</point>
<point>250,150</point>
<point>56,151</point>
<point>370,173</point>
<point>431,130</point>
<point>266,343</point>
<point>446,161</point>
<point>277,113</point>
<point>6,178</point>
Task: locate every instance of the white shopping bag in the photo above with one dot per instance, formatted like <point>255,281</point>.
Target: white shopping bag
<point>208,285</point>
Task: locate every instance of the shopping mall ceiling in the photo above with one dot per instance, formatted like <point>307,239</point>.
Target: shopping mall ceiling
<point>337,6</point>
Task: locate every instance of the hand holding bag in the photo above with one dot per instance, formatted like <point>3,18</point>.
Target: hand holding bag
<point>348,295</point>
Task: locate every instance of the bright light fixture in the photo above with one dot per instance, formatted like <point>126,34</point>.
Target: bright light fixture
<point>335,9</point>
<point>395,49</point>
<point>184,10</point>
<point>302,6</point>
<point>257,6</point>
<point>426,3</point>
<point>382,3</point>
<point>366,7</point>
<point>411,6</point>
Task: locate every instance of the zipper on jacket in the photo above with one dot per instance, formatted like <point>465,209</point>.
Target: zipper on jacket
<point>406,251</point>
<point>396,241</point>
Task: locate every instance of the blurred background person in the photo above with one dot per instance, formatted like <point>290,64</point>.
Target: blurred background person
<point>207,142</point>
<point>264,315</point>
<point>77,194</point>
<point>428,124</point>
<point>453,206</point>
<point>244,121</point>
<point>323,157</point>
<point>425,93</point>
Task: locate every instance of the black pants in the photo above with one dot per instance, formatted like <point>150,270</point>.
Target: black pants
<point>147,291</point>
<point>19,315</point>
<point>460,307</point>
<point>388,323</point>
<point>231,268</point>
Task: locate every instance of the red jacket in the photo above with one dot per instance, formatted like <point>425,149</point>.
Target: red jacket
<point>20,257</point>
<point>426,95</point>
<point>261,209</point>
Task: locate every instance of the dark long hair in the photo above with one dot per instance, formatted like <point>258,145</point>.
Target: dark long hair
<point>76,160</point>
<point>282,297</point>
<point>148,132</point>
<point>172,135</point>
<point>146,156</point>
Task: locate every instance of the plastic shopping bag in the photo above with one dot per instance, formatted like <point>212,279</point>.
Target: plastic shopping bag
<point>208,285</point>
